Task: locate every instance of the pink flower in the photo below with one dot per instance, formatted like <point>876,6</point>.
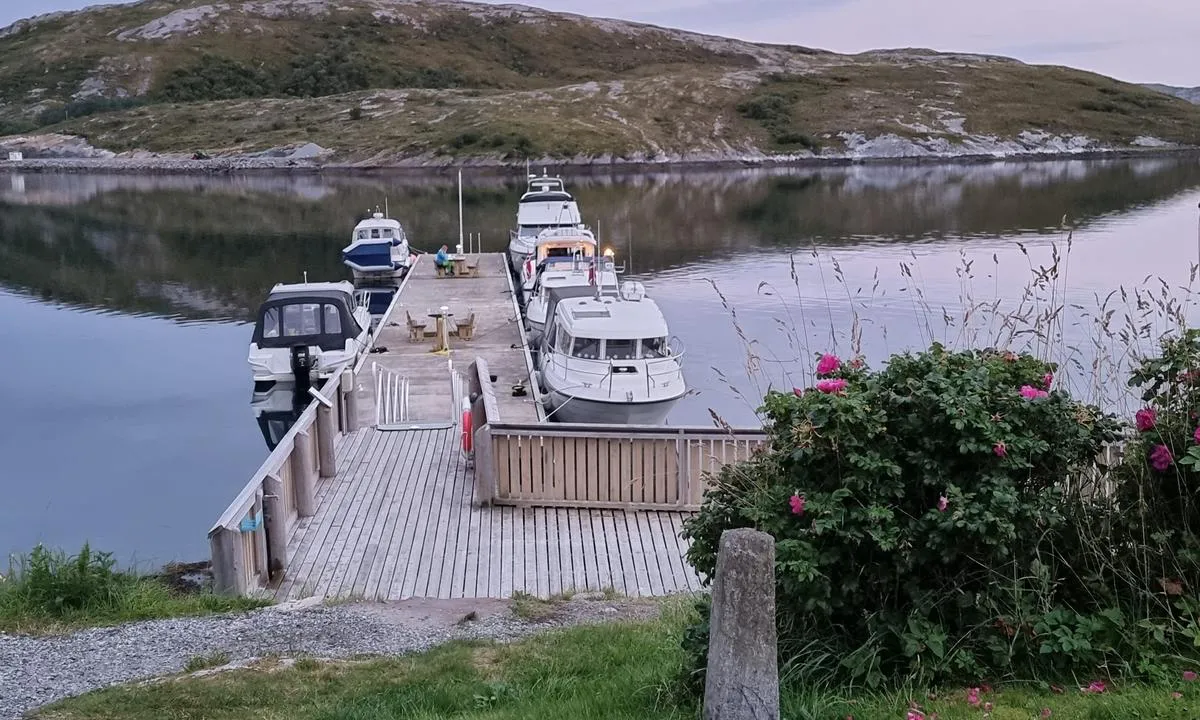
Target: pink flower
<point>1000,449</point>
<point>1196,436</point>
<point>1029,392</point>
<point>1046,712</point>
<point>1189,675</point>
<point>1096,686</point>
<point>943,503</point>
<point>914,715</point>
<point>1160,458</point>
<point>973,696</point>
<point>1176,695</point>
<point>828,364</point>
<point>1145,419</point>
<point>835,385</point>
<point>797,504</point>
<point>1047,379</point>
<point>798,392</point>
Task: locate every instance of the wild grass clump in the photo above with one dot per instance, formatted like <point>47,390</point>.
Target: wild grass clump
<point>987,512</point>
<point>48,589</point>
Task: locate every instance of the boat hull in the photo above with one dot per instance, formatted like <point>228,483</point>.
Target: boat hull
<point>571,409</point>
<point>371,259</point>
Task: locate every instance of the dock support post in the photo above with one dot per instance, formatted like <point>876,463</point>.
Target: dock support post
<point>302,475</point>
<point>260,542</point>
<point>349,401</point>
<point>325,433</point>
<point>275,524</point>
<point>228,573</point>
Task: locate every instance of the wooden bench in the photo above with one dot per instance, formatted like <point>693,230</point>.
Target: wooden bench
<point>473,267</point>
<point>465,330</point>
<point>416,329</point>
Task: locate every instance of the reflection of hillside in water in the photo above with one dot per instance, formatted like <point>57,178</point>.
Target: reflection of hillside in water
<point>211,247</point>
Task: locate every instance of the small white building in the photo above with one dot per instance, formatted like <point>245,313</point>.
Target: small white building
<point>15,156</point>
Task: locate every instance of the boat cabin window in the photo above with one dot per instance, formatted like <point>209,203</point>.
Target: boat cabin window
<point>333,320</point>
<point>620,349</point>
<point>374,233</point>
<point>362,234</point>
<point>271,323</point>
<point>655,348</point>
<point>301,319</point>
<point>562,342</point>
<point>587,348</point>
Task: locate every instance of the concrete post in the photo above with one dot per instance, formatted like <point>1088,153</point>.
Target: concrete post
<point>742,681</point>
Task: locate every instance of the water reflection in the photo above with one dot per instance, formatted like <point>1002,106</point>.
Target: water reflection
<point>211,247</point>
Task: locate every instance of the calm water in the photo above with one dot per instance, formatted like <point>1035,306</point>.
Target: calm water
<point>124,300</point>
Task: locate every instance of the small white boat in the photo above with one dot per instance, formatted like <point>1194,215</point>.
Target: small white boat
<point>307,332</point>
<point>607,359</point>
<point>546,204</point>
<point>378,247</point>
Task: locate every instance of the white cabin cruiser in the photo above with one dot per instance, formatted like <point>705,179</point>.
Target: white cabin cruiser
<point>558,246</point>
<point>568,276</point>
<point>377,247</point>
<point>606,359</point>
<point>545,204</point>
<point>306,332</point>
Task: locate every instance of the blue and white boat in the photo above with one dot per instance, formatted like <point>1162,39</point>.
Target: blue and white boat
<point>378,247</point>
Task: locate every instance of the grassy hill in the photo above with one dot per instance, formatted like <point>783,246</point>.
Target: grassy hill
<point>417,81</point>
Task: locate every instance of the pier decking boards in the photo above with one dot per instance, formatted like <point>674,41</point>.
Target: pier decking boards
<point>398,521</point>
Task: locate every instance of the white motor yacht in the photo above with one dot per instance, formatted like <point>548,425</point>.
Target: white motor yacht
<point>545,204</point>
<point>307,332</point>
<point>606,358</point>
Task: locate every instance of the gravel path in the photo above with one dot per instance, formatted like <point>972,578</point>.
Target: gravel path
<point>39,670</point>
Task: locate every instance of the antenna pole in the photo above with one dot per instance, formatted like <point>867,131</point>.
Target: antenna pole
<point>460,214</point>
<point>385,207</point>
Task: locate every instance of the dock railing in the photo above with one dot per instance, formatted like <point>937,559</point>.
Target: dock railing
<point>249,541</point>
<point>631,467</point>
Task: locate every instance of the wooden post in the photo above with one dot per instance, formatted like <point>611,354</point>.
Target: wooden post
<point>742,680</point>
<point>683,453</point>
<point>325,434</point>
<point>260,541</point>
<point>350,398</point>
<point>274,526</point>
<point>228,573</point>
<point>302,475</point>
<point>485,466</point>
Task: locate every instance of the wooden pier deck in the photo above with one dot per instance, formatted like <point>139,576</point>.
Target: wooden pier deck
<point>355,503</point>
<point>398,521</point>
<point>497,336</point>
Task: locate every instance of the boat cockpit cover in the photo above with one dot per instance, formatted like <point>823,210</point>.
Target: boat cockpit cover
<point>320,318</point>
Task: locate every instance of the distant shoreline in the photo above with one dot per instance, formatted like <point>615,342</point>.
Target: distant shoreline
<point>244,165</point>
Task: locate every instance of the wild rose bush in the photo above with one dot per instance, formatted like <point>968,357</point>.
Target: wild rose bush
<point>912,508</point>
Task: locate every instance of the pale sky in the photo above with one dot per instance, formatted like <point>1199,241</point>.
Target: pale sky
<point>1143,41</point>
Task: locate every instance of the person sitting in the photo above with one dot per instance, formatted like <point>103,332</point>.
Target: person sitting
<point>442,260</point>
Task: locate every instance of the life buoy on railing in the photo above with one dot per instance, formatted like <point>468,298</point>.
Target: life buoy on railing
<point>466,431</point>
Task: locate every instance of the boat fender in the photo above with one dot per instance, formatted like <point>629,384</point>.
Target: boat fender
<point>466,430</point>
<point>529,268</point>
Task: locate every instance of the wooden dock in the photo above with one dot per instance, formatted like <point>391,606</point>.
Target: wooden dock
<point>375,494</point>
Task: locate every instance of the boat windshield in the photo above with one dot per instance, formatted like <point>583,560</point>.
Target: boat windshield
<point>613,348</point>
<point>376,234</point>
<point>655,348</point>
<point>301,319</point>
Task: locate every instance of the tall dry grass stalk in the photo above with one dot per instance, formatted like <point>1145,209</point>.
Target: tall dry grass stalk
<point>1094,337</point>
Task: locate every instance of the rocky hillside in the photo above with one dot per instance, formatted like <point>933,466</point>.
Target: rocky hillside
<point>437,81</point>
<point>1191,94</point>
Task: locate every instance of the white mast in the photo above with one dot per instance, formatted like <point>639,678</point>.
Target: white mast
<point>460,214</point>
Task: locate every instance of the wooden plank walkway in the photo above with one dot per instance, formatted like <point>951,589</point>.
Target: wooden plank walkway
<point>398,521</point>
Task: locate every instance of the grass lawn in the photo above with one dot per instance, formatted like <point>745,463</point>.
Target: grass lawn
<point>613,671</point>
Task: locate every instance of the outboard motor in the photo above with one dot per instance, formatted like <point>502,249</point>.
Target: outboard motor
<point>302,363</point>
